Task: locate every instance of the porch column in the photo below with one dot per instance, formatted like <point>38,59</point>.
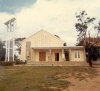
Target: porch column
<point>69,54</point>
<point>49,54</point>
<point>28,50</point>
<point>32,54</point>
<point>85,59</point>
<point>63,55</point>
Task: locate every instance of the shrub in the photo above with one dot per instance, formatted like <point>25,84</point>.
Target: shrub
<point>19,62</point>
<point>3,63</point>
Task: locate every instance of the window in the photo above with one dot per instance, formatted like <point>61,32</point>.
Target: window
<point>77,54</point>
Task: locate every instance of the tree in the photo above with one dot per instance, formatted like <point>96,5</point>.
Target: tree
<point>18,43</point>
<point>2,51</point>
<point>82,25</point>
<point>97,27</point>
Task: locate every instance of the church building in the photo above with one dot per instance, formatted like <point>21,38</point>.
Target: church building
<point>45,47</point>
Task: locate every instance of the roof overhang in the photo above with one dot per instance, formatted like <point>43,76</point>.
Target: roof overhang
<point>64,47</point>
<point>11,20</point>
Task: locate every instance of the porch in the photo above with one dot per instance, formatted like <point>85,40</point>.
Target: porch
<point>44,54</point>
<point>55,54</point>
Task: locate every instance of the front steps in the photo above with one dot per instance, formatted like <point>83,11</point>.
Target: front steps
<point>65,63</point>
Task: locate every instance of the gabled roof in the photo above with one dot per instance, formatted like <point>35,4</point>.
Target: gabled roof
<point>45,32</point>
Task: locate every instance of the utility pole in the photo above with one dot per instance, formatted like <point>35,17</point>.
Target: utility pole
<point>10,40</point>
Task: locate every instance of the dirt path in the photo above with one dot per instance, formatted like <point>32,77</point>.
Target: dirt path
<point>92,84</point>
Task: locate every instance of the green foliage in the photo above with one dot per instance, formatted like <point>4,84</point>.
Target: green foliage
<point>2,54</point>
<point>2,63</point>
<point>18,61</point>
<point>83,23</point>
<point>2,51</point>
<point>16,58</point>
<point>97,27</point>
<point>18,43</point>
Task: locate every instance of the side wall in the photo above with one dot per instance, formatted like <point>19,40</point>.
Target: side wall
<point>72,55</point>
<point>23,52</point>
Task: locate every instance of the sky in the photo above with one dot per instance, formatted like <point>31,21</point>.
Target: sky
<point>54,16</point>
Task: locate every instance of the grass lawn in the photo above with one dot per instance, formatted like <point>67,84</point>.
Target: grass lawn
<point>30,78</point>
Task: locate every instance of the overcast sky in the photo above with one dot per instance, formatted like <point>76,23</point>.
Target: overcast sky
<point>54,16</point>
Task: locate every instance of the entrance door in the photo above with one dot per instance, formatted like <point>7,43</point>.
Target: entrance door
<point>42,56</point>
<point>56,56</point>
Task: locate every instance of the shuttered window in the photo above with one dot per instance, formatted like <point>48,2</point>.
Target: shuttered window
<point>77,54</point>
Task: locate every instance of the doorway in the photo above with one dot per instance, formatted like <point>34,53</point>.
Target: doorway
<point>66,54</point>
<point>56,56</point>
<point>42,56</point>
